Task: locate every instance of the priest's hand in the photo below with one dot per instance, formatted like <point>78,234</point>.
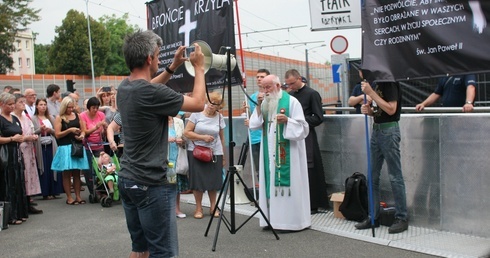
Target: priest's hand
<point>260,98</point>
<point>281,119</point>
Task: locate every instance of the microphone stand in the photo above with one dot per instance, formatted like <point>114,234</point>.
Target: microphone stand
<point>230,177</point>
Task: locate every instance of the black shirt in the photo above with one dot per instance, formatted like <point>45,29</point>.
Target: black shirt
<point>9,129</point>
<point>389,91</point>
<point>312,105</point>
<point>69,138</point>
<point>144,109</point>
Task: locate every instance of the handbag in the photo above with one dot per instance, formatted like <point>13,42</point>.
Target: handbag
<point>182,164</point>
<point>4,155</point>
<point>77,149</point>
<point>204,154</point>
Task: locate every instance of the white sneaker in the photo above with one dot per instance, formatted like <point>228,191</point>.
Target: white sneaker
<point>181,215</point>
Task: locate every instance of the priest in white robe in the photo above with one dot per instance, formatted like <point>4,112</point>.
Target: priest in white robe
<point>283,178</point>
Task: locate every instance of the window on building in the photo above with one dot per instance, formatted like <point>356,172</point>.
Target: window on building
<point>28,62</point>
<point>18,44</point>
<point>20,61</point>
<point>28,44</point>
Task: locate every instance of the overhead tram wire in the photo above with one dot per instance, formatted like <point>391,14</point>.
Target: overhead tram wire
<point>261,31</point>
<point>285,44</point>
<point>115,10</point>
<point>269,22</point>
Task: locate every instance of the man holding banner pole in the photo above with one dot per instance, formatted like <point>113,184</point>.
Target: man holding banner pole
<point>385,146</point>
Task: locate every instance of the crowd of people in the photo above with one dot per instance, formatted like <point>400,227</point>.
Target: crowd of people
<point>36,139</point>
<point>149,126</point>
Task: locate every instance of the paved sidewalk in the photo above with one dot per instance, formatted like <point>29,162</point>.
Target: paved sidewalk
<point>90,230</point>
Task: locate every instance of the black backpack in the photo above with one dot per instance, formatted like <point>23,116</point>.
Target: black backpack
<point>355,204</point>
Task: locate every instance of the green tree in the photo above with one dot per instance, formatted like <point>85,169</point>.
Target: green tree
<point>118,29</point>
<point>15,15</point>
<point>41,57</point>
<point>70,51</point>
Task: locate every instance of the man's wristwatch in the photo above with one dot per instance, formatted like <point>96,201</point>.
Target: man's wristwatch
<point>469,102</point>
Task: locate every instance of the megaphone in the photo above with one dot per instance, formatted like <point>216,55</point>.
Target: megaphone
<point>240,197</point>
<point>210,60</point>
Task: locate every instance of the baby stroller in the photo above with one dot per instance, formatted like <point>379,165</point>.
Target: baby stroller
<point>101,189</point>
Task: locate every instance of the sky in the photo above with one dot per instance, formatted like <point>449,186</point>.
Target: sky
<point>273,22</point>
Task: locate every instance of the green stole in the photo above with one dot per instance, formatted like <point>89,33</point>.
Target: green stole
<point>282,159</point>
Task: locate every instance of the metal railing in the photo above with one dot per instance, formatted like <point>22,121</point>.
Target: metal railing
<point>412,109</point>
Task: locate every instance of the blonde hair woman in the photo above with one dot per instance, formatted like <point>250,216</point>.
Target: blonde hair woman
<point>206,129</point>
<point>68,128</point>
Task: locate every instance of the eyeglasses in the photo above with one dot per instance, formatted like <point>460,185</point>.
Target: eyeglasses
<point>32,95</point>
<point>291,83</point>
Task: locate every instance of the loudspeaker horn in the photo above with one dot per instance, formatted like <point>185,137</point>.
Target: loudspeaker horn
<point>240,197</point>
<point>211,60</point>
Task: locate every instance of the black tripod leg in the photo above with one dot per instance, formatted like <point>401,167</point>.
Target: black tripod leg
<point>258,207</point>
<point>224,190</point>
<point>222,194</point>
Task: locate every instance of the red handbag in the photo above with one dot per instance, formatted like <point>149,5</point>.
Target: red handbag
<point>204,154</point>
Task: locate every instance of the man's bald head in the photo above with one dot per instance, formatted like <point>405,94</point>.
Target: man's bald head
<point>271,83</point>
<point>29,91</point>
<point>31,96</point>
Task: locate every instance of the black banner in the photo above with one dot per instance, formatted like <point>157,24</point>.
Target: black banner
<point>409,39</point>
<point>183,22</point>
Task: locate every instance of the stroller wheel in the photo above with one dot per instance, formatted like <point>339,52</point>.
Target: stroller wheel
<point>102,201</point>
<point>108,201</point>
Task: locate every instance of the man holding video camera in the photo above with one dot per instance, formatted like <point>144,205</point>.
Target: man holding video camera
<point>145,105</point>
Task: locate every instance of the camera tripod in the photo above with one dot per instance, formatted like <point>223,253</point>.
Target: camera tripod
<point>229,182</point>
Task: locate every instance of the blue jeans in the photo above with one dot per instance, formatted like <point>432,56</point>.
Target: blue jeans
<point>150,217</point>
<point>385,145</point>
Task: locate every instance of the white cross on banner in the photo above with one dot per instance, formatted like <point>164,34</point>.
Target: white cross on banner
<point>179,23</point>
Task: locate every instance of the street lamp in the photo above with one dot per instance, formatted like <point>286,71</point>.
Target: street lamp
<point>90,44</point>
<point>307,62</point>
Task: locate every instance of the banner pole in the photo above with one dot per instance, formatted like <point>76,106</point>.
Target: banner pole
<point>370,176</point>
<point>242,61</point>
<point>241,47</point>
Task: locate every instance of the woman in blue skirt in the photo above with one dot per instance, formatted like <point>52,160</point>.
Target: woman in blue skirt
<point>67,127</point>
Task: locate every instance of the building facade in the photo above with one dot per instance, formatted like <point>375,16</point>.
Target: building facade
<point>24,55</point>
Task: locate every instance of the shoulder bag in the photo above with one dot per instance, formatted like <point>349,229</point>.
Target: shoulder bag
<point>182,164</point>
<point>204,154</point>
<point>77,149</point>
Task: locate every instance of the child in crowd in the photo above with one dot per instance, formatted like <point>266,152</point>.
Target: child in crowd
<point>108,170</point>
